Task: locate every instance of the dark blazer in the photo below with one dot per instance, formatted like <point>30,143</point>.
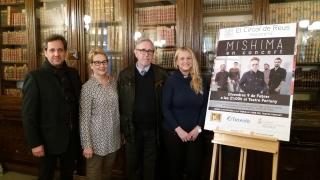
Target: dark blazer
<point>126,91</point>
<point>44,108</point>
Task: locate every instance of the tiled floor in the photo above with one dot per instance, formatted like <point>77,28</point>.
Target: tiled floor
<point>16,176</point>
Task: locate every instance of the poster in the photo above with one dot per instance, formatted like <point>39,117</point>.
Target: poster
<point>251,88</point>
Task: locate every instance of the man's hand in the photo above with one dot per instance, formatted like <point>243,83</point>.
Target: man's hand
<point>38,151</point>
<point>87,153</point>
<point>184,136</point>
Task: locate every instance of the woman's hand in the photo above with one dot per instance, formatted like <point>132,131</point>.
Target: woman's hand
<point>184,136</point>
<point>194,133</point>
<point>87,153</point>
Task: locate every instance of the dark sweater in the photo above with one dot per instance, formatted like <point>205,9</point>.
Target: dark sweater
<point>144,104</point>
<point>181,105</point>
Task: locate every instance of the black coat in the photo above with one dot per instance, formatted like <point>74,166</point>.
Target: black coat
<point>126,91</point>
<point>44,108</point>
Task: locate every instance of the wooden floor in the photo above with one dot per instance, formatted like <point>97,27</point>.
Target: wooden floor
<point>16,176</point>
<point>20,176</point>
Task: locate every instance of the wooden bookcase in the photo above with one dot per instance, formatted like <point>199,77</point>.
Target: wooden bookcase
<point>104,29</point>
<point>14,60</point>
<point>217,15</point>
<point>157,20</point>
<point>192,23</point>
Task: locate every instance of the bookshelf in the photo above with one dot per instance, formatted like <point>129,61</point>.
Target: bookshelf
<point>156,20</point>
<point>305,114</point>
<point>218,14</point>
<point>51,18</point>
<point>307,15</point>
<point>13,42</point>
<point>111,25</point>
<point>104,29</point>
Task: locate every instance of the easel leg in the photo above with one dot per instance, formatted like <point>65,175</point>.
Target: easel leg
<point>242,164</point>
<point>214,160</point>
<point>263,144</point>
<point>275,166</point>
<point>220,162</point>
<point>243,174</point>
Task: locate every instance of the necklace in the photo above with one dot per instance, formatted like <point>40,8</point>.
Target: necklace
<point>103,80</point>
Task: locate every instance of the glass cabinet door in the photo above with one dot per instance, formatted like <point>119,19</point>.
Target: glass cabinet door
<point>306,14</point>
<point>218,14</point>
<point>156,20</point>
<point>307,73</point>
<point>103,29</point>
<point>51,18</point>
<point>14,63</point>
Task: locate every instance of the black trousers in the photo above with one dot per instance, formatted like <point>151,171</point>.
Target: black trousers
<point>66,160</point>
<point>141,155</point>
<point>184,157</point>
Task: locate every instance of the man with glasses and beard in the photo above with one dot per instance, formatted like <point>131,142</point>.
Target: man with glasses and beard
<point>277,77</point>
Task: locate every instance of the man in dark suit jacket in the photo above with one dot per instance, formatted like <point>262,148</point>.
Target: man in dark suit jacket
<point>50,111</point>
<point>140,87</point>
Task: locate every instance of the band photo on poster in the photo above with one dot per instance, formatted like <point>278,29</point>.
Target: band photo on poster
<point>251,87</point>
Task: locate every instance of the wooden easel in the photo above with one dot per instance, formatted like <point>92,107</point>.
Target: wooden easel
<point>243,141</point>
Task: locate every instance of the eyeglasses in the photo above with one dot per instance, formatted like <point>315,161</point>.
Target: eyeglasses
<point>98,63</point>
<point>145,51</point>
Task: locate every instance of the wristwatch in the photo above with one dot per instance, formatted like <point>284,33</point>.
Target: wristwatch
<point>199,130</point>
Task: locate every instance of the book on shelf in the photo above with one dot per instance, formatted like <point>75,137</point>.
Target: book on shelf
<point>104,10</point>
<point>146,1</point>
<point>10,11</point>
<point>16,55</point>
<point>307,79</point>
<point>160,33</point>
<point>108,38</point>
<point>14,38</point>
<point>210,30</point>
<point>4,2</point>
<point>19,19</point>
<point>294,11</point>
<point>156,15</point>
<point>13,17</point>
<point>12,92</point>
<point>305,106</point>
<point>310,52</point>
<point>46,32</point>
<point>14,72</point>
<point>116,64</point>
<point>165,58</point>
<point>167,34</point>
<point>207,60</point>
<point>4,17</point>
<point>211,6</point>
